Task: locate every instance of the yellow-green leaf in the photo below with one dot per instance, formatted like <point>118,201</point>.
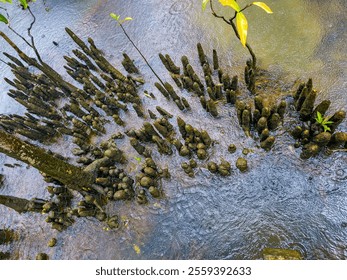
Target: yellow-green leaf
<point>242,27</point>
<point>204,3</point>
<point>262,5</point>
<point>137,249</point>
<point>24,3</point>
<point>128,18</point>
<point>3,19</point>
<point>114,16</point>
<point>231,3</point>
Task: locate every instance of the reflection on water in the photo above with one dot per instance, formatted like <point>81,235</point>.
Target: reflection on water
<point>281,202</point>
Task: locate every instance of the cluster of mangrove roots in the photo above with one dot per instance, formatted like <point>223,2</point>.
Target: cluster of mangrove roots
<point>102,94</point>
<point>310,132</point>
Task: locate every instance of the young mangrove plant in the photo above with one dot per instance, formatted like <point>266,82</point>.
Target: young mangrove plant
<point>241,27</point>
<point>324,122</point>
<point>120,23</point>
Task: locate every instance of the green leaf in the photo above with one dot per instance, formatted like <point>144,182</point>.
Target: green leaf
<point>24,3</point>
<point>323,121</point>
<point>114,16</point>
<point>319,118</point>
<point>242,27</point>
<point>231,3</point>
<point>204,3</point>
<point>262,5</point>
<point>138,159</point>
<point>326,128</point>
<point>127,18</point>
<point>3,19</point>
<point>6,1</point>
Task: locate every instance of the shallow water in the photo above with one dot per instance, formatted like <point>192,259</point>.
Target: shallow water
<point>281,202</point>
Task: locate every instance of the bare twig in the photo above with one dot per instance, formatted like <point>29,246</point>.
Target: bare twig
<point>12,29</point>
<point>231,22</point>
<point>131,41</point>
<point>216,15</point>
<point>32,37</point>
<point>3,61</point>
<point>32,44</point>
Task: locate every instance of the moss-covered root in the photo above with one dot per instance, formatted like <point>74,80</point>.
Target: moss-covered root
<point>69,175</point>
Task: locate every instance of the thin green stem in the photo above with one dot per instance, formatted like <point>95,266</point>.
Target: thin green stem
<point>231,22</point>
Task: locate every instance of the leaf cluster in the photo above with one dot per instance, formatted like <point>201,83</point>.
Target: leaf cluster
<point>241,20</point>
<point>324,122</point>
<point>118,19</point>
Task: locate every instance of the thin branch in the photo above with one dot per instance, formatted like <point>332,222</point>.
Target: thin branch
<point>217,16</point>
<point>131,41</point>
<point>32,44</point>
<point>254,59</point>
<point>3,61</point>
<point>231,22</point>
<point>32,37</point>
<point>247,6</point>
<point>13,30</point>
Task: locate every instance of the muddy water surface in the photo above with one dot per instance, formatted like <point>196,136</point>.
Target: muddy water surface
<point>281,202</point>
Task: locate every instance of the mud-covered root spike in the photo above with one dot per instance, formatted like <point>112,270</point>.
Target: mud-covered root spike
<point>215,60</point>
<point>212,108</point>
<point>129,65</point>
<point>179,104</point>
<point>138,110</point>
<point>207,70</point>
<point>164,61</point>
<point>203,102</point>
<point>307,106</point>
<point>267,143</point>
<point>162,90</point>
<point>185,103</point>
<point>281,110</point>
<point>309,85</point>
<point>152,115</point>
<point>181,126</point>
<point>231,96</point>
<point>299,91</point>
<point>202,56</point>
<point>137,146</point>
<point>211,93</point>
<point>322,108</point>
<point>246,121</point>
<point>337,119</point>
<point>185,63</point>
<point>226,81</point>
<point>196,88</point>
<point>309,150</point>
<point>304,93</point>
<point>241,164</point>
<point>163,112</point>
<point>234,83</point>
<point>171,91</point>
<point>177,80</point>
<point>338,139</point>
<point>261,124</point>
<point>274,121</point>
<point>173,68</point>
<point>79,42</point>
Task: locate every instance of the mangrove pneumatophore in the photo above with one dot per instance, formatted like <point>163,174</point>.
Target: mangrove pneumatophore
<point>100,170</point>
